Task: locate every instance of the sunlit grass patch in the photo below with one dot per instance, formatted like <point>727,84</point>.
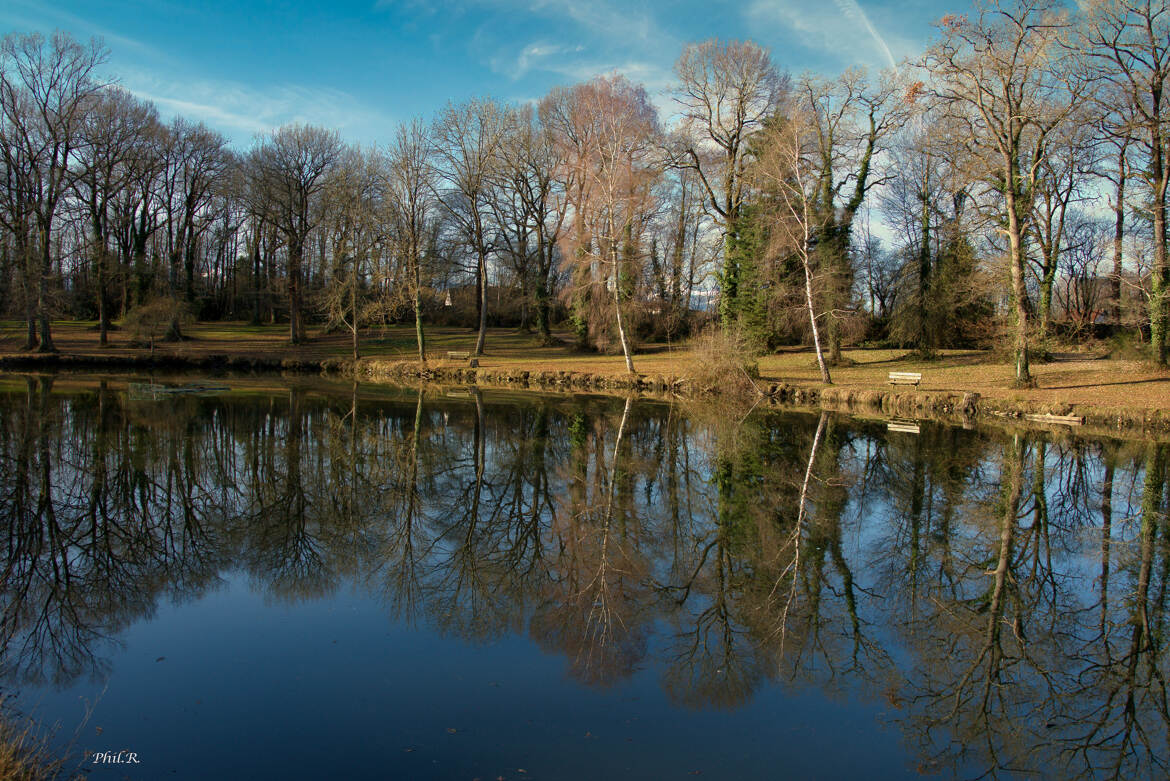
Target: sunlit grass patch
<point>25,754</point>
<point>1113,382</point>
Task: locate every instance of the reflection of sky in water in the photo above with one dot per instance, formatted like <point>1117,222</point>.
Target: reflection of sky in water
<point>249,689</point>
<point>250,662</point>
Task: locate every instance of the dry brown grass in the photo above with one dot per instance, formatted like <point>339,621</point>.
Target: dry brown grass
<point>24,752</point>
<point>1122,384</point>
<point>1108,383</point>
<point>719,362</point>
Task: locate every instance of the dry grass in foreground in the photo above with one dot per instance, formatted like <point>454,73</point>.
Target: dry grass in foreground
<point>24,754</point>
<point>1115,383</point>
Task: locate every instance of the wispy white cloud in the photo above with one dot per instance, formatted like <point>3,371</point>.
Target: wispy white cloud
<point>851,9</point>
<point>592,39</point>
<point>656,79</point>
<point>616,23</point>
<point>27,16</point>
<point>840,28</point>
<point>609,20</point>
<point>578,39</point>
<point>612,20</point>
<point>242,111</point>
<point>578,63</point>
<point>538,55</point>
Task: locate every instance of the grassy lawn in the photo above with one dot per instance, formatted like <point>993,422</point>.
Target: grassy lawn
<point>1104,382</point>
<point>1108,382</point>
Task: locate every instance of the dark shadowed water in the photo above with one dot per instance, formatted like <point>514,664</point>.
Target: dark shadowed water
<point>325,581</point>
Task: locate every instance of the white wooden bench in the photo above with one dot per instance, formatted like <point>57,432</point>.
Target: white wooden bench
<point>905,378</point>
<point>458,355</point>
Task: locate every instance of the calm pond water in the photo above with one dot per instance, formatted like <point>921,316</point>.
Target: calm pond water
<point>326,581</point>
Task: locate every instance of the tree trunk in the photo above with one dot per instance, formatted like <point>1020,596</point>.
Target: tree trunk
<point>840,284</point>
<point>678,255</point>
<point>1019,294</point>
<point>482,273</point>
<point>256,282</point>
<point>729,280</point>
<point>1118,236</point>
<point>834,334</point>
<point>138,249</point>
<point>295,253</point>
<point>617,308</point>
<point>30,313</point>
<point>1046,284</point>
<point>189,269</point>
<point>103,312</point>
<point>418,323</point>
<point>543,327</point>
<point>926,341</point>
<point>812,319</point>
<point>353,310</point>
<point>1160,274</point>
<point>46,345</point>
<point>525,327</point>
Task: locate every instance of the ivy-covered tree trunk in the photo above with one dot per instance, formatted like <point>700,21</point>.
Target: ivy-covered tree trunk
<point>543,314</point>
<point>729,280</point>
<point>1018,290</point>
<point>926,341</point>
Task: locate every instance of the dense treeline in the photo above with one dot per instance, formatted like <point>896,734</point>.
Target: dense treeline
<point>1019,168</point>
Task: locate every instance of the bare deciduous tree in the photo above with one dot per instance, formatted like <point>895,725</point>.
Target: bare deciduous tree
<point>411,189</point>
<point>45,89</point>
<point>610,137</point>
<point>291,166</point>
<point>786,170</point>
<point>1061,177</point>
<point>727,91</point>
<point>854,118</point>
<point>467,144</point>
<point>196,161</point>
<point>356,207</point>
<point>1129,43</point>
<point>535,160</point>
<point>113,128</point>
<point>1001,77</point>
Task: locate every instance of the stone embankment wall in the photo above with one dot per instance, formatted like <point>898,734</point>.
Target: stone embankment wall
<point>954,407</point>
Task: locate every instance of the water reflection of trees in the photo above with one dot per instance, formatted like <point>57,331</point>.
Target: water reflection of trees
<point>1003,594</point>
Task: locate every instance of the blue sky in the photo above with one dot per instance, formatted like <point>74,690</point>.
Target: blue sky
<point>247,66</point>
